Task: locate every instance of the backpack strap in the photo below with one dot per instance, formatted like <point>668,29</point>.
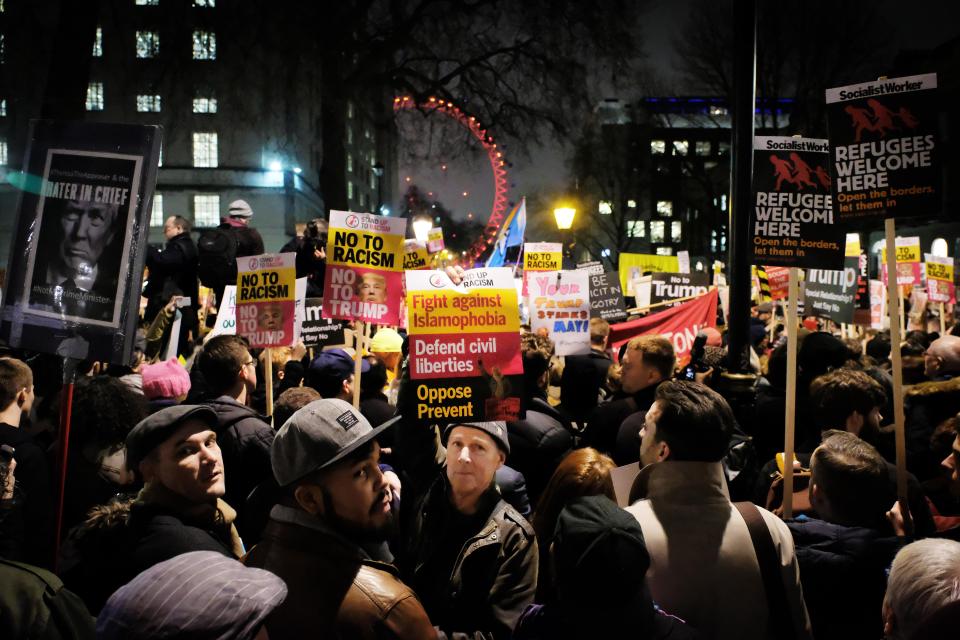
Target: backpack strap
<point>769,562</point>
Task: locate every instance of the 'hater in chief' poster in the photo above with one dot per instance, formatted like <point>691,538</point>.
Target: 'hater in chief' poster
<point>364,275</point>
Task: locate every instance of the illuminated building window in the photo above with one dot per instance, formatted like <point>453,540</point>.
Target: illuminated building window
<point>206,210</point>
<point>204,45</point>
<point>205,149</point>
<point>156,213</point>
<point>664,208</point>
<point>95,96</point>
<point>148,103</point>
<point>148,44</point>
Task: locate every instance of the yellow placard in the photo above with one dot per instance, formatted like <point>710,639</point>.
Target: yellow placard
<point>543,261</point>
<point>364,249</point>
<point>937,271</point>
<point>446,312</point>
<point>267,285</point>
<point>905,252</point>
<point>645,262</point>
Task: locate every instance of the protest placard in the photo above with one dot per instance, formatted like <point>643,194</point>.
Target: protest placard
<point>679,325</point>
<point>415,255</point>
<point>364,274</point>
<point>940,287</point>
<point>884,138</point>
<point>560,303</point>
<point>670,286</point>
<point>226,323</point>
<point>465,360</point>
<point>540,256</point>
<point>683,261</point>
<point>435,240</point>
<point>317,331</point>
<point>74,275</point>
<point>829,293</point>
<point>266,299</point>
<point>634,265</point>
<point>593,267</point>
<point>878,305</point>
<point>792,221</point>
<point>778,278</point>
<point>909,267</point>
<point>606,298</point>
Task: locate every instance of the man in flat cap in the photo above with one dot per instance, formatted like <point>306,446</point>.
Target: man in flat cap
<point>325,537</point>
<point>470,556</point>
<point>178,510</point>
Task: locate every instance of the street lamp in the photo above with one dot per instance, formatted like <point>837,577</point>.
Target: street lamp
<point>378,171</point>
<point>421,228</point>
<point>564,217</point>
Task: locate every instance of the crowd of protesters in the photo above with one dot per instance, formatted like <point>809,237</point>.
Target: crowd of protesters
<point>188,511</point>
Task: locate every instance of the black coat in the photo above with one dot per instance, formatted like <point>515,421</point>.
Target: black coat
<point>537,444</point>
<point>583,378</point>
<point>173,271</point>
<point>32,522</point>
<point>604,424</point>
<point>843,573</point>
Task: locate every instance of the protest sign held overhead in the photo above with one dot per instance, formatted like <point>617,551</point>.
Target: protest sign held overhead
<point>940,286</point>
<point>671,286</point>
<point>364,272</point>
<point>317,331</point>
<point>465,361</point>
<point>560,303</point>
<point>227,313</point>
<point>909,267</point>
<point>266,299</point>
<point>634,265</point>
<point>829,293</point>
<point>540,256</point>
<point>606,296</point>
<point>792,221</point>
<point>74,277</point>
<point>778,279</point>
<point>435,240</point>
<point>679,325</point>
<point>415,255</point>
<point>883,142</point>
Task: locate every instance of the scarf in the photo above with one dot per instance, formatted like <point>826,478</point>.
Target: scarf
<point>216,516</point>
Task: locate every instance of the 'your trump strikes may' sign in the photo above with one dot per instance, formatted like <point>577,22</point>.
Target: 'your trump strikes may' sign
<point>364,272</point>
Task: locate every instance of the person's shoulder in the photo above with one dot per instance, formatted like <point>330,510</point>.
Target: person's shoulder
<point>164,535</point>
<point>507,517</point>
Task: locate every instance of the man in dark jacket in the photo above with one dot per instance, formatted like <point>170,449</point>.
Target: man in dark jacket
<point>647,361</point>
<point>248,240</point>
<point>178,510</point>
<point>321,540</point>
<point>468,554</point>
<point>584,376</point>
<point>245,436</point>
<point>173,271</point>
<point>844,555</point>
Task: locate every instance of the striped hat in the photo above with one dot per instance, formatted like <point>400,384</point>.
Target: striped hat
<point>201,595</point>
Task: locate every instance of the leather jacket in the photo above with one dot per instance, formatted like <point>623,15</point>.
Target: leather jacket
<point>335,590</point>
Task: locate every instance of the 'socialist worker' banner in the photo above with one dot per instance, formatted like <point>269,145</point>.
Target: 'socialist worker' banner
<point>415,255</point>
<point>940,286</point>
<point>540,256</point>
<point>266,299</point>
<point>364,275</point>
<point>792,222</point>
<point>465,361</point>
<point>560,303</point>
<point>883,136</point>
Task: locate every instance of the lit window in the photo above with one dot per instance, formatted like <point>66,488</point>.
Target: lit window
<point>95,96</point>
<point>148,44</point>
<point>703,147</point>
<point>349,163</point>
<point>366,133</point>
<point>160,157</point>
<point>3,108</point>
<point>204,149</point>
<point>717,111</point>
<point>156,213</point>
<point>206,210</point>
<point>724,148</point>
<point>656,230</point>
<point>204,45</point>
<point>664,251</point>
<point>723,202</point>
<point>3,47</point>
<point>204,105</point>
<point>98,44</point>
<point>664,208</point>
<point>205,3</point>
<point>145,3</point>
<point>636,228</point>
<point>3,152</point>
<point>350,109</point>
<point>605,207</point>
<point>631,204</point>
<point>148,103</point>
<point>938,248</point>
<point>373,181</point>
<point>349,134</point>
<point>681,147</point>
<point>676,231</point>
<point>349,190</point>
<point>658,146</point>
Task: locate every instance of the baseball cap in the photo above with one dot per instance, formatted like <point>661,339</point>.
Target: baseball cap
<point>240,208</point>
<point>154,429</point>
<point>318,435</point>
<point>336,363</point>
<point>496,430</point>
<point>201,594</point>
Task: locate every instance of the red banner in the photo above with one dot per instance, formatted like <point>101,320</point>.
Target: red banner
<point>679,325</point>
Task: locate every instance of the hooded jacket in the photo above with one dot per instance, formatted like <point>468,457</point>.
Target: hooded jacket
<point>929,408</point>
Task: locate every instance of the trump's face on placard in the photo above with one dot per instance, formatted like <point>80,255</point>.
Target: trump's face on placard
<point>88,227</point>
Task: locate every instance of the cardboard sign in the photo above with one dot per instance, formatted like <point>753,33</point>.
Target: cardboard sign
<point>909,267</point>
<point>606,298</point>
<point>670,286</point>
<point>415,255</point>
<point>683,261</point>
<point>317,331</point>
<point>679,325</point>
<point>831,294</point>
<point>593,267</point>
<point>792,221</point>
<point>364,274</point>
<point>73,281</point>
<point>266,299</point>
<point>465,360</point>
<point>227,313</point>
<point>884,139</point>
<point>435,240</point>
<point>560,304</point>
<point>635,265</point>
<point>940,287</point>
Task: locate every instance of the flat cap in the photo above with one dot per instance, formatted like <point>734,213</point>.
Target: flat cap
<point>154,429</point>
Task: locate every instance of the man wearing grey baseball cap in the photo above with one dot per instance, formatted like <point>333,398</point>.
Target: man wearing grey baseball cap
<point>326,459</point>
<point>470,556</point>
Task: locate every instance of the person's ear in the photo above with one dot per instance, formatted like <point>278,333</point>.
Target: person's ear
<point>663,451</point>
<point>503,457</point>
<point>347,385</point>
<point>21,397</point>
<point>310,499</point>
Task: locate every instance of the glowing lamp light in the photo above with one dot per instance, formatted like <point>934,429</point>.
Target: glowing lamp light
<point>275,166</point>
<point>564,217</point>
<point>421,228</point>
<point>297,170</point>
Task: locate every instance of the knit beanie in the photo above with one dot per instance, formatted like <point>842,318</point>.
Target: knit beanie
<point>165,380</point>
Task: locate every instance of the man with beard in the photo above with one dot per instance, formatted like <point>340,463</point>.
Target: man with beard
<point>325,538</point>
